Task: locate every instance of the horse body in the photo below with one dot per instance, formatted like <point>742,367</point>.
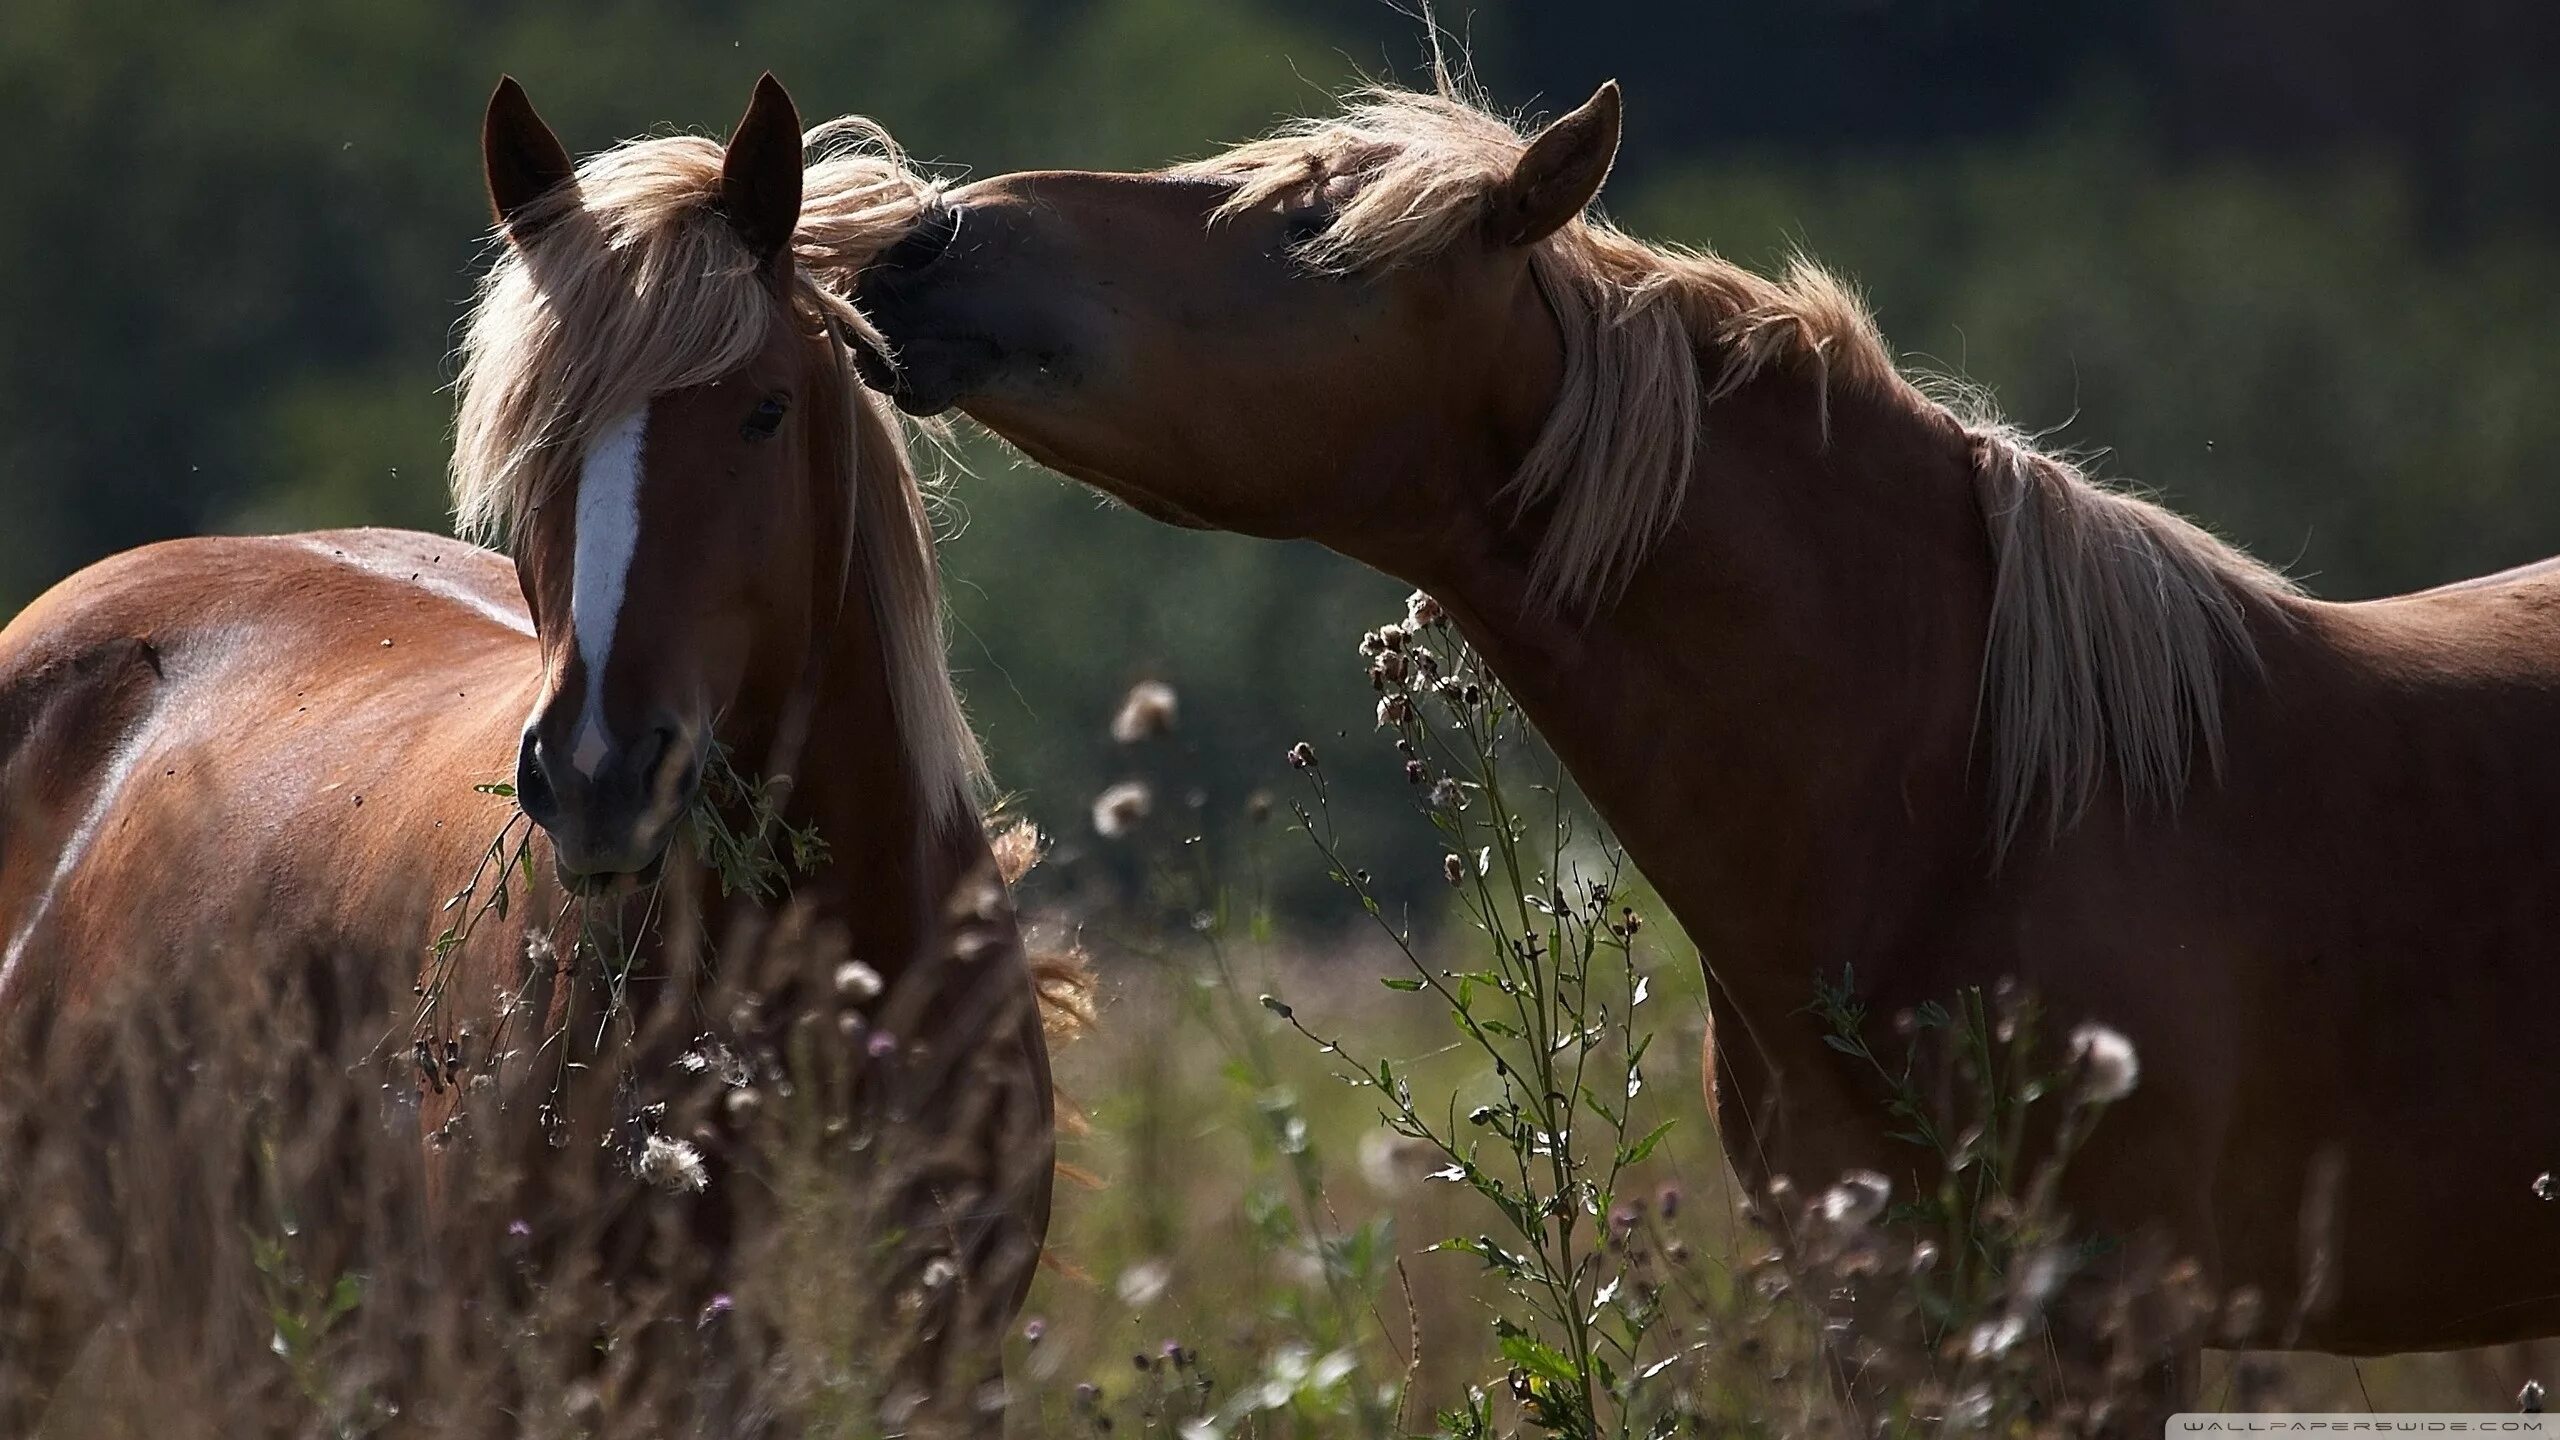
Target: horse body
<point>1866,683</point>
<point>2317,953</point>
<point>199,746</point>
<point>220,751</point>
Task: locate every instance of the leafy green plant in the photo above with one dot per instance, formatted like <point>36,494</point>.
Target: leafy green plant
<point>736,828</point>
<point>1549,1006</point>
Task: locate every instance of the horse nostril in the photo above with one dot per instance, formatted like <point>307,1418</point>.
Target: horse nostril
<point>533,787</point>
<point>663,765</point>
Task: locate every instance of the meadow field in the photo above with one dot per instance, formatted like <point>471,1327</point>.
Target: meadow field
<point>1381,1105</point>
<point>1436,1169</point>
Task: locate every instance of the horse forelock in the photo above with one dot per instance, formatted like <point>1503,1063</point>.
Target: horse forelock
<point>632,284</point>
<point>2111,616</point>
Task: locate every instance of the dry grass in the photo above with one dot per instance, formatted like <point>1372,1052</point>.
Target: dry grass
<point>214,1216</point>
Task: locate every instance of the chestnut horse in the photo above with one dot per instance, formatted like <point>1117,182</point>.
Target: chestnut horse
<point>1865,681</point>
<point>719,547</point>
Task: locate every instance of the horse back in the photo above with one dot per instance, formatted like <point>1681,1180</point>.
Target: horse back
<point>219,732</point>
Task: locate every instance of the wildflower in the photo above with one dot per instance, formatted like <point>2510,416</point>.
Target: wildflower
<point>1118,810</point>
<point>2545,1188</point>
<point>1998,1338</point>
<point>1149,710</point>
<point>1033,1329</point>
<point>1390,669</point>
<point>1393,636</point>
<point>1302,756</point>
<point>719,1305</point>
<point>1371,646</point>
<point>939,1271</point>
<point>1143,1283</point>
<point>857,981</point>
<point>1277,1006</point>
<point>2043,1275</point>
<point>882,1045</point>
<point>1421,612</point>
<point>1968,1411</point>
<point>1394,710</point>
<point>2107,1064</point>
<point>519,1230</point>
<point>1415,772</point>
<point>1453,869</point>
<point>671,1165</point>
<point>1857,1200</point>
<point>1391,1163</point>
<point>2529,1399</point>
<point>1448,794</point>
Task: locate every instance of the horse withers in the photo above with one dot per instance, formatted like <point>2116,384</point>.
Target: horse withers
<point>722,575</point>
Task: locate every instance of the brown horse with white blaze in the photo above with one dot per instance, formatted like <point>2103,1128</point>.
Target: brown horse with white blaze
<point>720,548</point>
<point>1862,679</point>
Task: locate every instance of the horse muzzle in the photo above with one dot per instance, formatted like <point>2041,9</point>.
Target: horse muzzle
<point>618,817</point>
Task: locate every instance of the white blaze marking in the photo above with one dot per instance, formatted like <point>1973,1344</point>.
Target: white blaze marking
<point>608,533</point>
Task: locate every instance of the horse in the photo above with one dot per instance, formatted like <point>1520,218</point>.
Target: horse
<point>718,547</point>
<point>1868,683</point>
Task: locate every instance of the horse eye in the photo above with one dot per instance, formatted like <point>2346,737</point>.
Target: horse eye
<point>766,420</point>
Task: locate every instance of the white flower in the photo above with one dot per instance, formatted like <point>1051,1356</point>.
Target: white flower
<point>1149,711</point>
<point>857,981</point>
<point>1118,810</point>
<point>1421,611</point>
<point>671,1165</point>
<point>2108,1066</point>
<point>1996,1338</point>
<point>1391,1162</point>
<point>1142,1283</point>
<point>1858,1199</point>
<point>1448,794</point>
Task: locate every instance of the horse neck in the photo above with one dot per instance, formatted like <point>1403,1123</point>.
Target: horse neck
<point>895,856</point>
<point>1777,718</point>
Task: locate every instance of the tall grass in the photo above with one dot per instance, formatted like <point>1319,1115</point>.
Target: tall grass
<point>1435,1173</point>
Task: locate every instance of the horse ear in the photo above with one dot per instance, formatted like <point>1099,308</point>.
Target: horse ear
<point>524,161</point>
<point>760,174</point>
<point>1559,172</point>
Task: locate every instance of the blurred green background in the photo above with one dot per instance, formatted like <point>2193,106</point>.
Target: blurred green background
<point>2288,261</point>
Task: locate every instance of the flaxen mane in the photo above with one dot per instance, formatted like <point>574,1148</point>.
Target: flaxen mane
<point>631,284</point>
<point>2111,616</point>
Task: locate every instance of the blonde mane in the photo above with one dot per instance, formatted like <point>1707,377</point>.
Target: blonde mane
<point>2110,615</point>
<point>631,285</point>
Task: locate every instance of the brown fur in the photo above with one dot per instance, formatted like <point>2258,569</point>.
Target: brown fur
<point>277,738</point>
<point>1867,682</point>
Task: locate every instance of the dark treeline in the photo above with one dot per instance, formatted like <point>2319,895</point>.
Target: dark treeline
<point>2288,260</point>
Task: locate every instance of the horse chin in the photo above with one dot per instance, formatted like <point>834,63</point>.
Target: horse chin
<point>1151,506</point>
<point>604,881</point>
